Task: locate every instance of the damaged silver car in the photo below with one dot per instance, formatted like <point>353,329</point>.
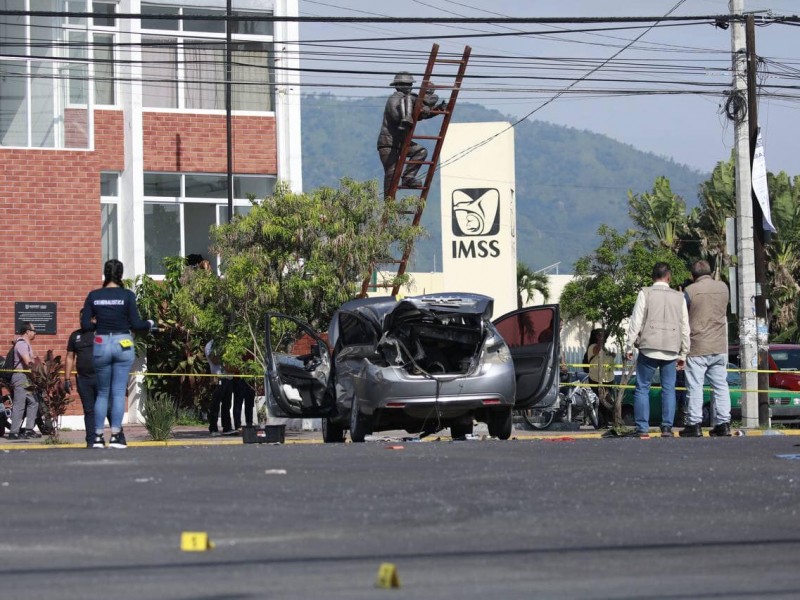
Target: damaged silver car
<point>421,364</point>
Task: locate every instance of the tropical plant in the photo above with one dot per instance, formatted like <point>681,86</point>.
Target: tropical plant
<point>706,235</point>
<point>159,415</point>
<point>176,362</point>
<point>660,215</point>
<point>529,282</point>
<point>47,378</point>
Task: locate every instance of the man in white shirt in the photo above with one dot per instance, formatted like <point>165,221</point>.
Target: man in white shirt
<point>659,328</point>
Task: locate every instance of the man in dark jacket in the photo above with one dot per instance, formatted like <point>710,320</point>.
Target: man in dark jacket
<point>398,118</point>
<point>79,356</point>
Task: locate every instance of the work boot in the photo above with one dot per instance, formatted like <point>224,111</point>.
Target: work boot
<point>666,431</point>
<point>721,430</point>
<point>410,182</point>
<point>692,431</point>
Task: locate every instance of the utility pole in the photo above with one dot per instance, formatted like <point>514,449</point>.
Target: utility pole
<point>748,347</point>
<point>228,107</point>
<point>759,251</point>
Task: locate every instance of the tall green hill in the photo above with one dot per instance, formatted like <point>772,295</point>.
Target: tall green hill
<point>568,181</point>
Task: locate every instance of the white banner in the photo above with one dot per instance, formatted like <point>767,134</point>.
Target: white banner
<point>760,183</point>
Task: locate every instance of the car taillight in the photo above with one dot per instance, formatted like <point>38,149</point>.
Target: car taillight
<point>490,402</point>
<point>395,405</point>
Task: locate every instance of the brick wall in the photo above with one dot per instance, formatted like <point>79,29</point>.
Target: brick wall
<point>50,204</point>
<point>49,201</point>
<point>197,143</point>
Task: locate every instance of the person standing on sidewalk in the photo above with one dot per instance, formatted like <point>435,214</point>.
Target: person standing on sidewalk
<point>25,405</point>
<point>659,328</point>
<point>707,300</point>
<point>114,309</point>
<point>80,348</point>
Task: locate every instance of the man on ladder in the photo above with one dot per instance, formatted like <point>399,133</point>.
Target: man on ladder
<point>398,118</point>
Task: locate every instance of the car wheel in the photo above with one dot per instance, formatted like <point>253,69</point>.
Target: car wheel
<point>499,423</point>
<point>537,418</point>
<point>359,423</point>
<point>331,432</point>
<point>461,430</point>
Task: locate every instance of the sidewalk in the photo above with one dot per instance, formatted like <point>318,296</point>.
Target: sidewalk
<point>137,435</point>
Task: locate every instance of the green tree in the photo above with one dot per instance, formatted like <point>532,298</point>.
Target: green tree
<point>607,282</point>
<point>707,223</point>
<point>529,282</point>
<point>783,255</point>
<point>660,215</point>
<point>299,254</point>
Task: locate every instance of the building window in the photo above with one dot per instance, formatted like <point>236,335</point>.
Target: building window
<point>181,208</point>
<point>189,72</point>
<point>47,64</point>
<point>109,215</point>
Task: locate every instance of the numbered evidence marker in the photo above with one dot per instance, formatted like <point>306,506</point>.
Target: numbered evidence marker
<point>387,576</point>
<point>195,541</point>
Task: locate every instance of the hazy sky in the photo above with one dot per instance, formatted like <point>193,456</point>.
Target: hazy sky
<point>526,73</point>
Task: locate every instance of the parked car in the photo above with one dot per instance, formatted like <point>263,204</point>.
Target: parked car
<point>784,359</point>
<point>785,404</point>
<point>420,363</point>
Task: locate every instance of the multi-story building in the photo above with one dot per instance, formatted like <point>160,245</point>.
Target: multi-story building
<point>113,138</point>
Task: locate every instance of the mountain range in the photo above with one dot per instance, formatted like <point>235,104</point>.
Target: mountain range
<point>569,181</point>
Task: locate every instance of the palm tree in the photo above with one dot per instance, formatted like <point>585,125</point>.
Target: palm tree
<point>529,282</point>
<point>660,215</point>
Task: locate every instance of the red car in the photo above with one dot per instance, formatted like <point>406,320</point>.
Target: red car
<point>783,358</point>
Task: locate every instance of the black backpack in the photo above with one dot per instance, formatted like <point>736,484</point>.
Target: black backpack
<point>8,365</point>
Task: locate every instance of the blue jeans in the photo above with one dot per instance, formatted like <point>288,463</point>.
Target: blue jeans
<point>713,367</point>
<point>113,357</point>
<point>645,369</point>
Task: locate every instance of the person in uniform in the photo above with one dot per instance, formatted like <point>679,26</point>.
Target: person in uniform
<point>116,315</point>
<point>398,118</point>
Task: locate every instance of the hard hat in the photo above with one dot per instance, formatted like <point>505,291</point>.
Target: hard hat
<point>403,78</point>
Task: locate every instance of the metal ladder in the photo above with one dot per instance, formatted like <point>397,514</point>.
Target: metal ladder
<point>432,161</point>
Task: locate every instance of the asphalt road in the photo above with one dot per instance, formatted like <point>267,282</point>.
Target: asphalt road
<point>590,518</point>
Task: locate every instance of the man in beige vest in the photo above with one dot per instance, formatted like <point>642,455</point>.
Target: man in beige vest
<point>708,319</point>
<point>659,328</point>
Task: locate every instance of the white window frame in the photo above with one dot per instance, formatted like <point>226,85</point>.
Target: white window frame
<point>181,37</point>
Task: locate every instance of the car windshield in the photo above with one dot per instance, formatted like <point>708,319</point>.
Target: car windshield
<point>786,359</point>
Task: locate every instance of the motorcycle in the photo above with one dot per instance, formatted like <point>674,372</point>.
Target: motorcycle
<point>577,403</point>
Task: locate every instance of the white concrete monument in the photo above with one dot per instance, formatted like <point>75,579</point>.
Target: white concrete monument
<point>479,243</point>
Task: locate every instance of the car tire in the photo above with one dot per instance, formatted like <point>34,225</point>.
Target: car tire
<point>537,419</point>
<point>332,433</point>
<point>500,423</point>
<point>359,423</point>
<point>461,430</point>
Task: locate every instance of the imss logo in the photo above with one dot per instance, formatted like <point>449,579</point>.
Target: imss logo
<point>476,213</point>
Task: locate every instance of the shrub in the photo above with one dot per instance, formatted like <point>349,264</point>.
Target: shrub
<point>159,415</point>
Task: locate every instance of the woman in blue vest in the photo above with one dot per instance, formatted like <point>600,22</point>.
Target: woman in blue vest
<point>114,309</point>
